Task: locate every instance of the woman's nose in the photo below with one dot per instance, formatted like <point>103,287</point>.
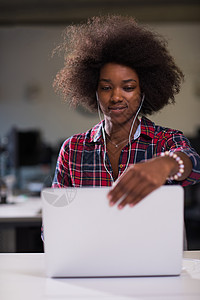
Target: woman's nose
<point>116,95</point>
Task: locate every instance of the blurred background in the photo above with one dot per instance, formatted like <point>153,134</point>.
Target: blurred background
<point>34,121</point>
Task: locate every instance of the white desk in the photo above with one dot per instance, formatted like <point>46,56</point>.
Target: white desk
<point>15,219</point>
<point>22,277</point>
<point>21,209</point>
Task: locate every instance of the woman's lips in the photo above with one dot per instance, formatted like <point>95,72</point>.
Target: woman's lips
<point>117,109</point>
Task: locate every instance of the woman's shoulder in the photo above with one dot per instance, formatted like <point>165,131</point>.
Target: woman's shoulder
<point>83,137</point>
<point>159,129</point>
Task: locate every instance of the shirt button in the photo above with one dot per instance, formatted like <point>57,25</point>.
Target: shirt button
<point>121,166</point>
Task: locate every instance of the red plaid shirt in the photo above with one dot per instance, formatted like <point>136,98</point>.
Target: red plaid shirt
<point>80,161</point>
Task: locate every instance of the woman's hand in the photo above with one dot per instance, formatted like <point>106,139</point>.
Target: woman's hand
<point>140,180</point>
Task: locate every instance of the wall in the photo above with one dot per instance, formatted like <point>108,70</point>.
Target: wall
<point>27,99</point>
<point>184,44</point>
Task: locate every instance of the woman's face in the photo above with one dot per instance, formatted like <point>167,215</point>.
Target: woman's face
<point>119,92</point>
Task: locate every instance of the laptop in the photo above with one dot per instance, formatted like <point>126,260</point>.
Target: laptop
<point>85,237</point>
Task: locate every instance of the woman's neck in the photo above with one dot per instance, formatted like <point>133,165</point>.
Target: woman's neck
<point>120,132</point>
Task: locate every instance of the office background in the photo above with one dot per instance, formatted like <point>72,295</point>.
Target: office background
<point>30,30</point>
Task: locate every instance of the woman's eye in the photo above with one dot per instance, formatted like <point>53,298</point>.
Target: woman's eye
<point>129,88</point>
<point>105,88</point>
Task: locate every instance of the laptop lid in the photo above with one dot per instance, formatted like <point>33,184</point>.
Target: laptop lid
<point>86,237</point>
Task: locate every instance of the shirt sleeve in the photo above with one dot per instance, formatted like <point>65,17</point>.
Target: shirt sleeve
<point>178,142</point>
<point>61,176</point>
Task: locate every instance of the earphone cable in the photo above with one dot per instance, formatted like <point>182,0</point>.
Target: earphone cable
<point>129,139</point>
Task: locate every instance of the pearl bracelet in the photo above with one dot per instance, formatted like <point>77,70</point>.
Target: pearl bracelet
<point>178,160</point>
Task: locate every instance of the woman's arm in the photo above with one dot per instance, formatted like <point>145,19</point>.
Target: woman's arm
<point>142,178</point>
<point>61,178</point>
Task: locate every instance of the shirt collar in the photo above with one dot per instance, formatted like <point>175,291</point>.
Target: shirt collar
<point>96,132</point>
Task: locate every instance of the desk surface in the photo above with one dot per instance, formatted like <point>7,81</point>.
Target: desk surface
<point>22,277</point>
<point>21,209</point>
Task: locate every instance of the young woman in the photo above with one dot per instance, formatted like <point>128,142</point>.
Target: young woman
<point>122,70</point>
